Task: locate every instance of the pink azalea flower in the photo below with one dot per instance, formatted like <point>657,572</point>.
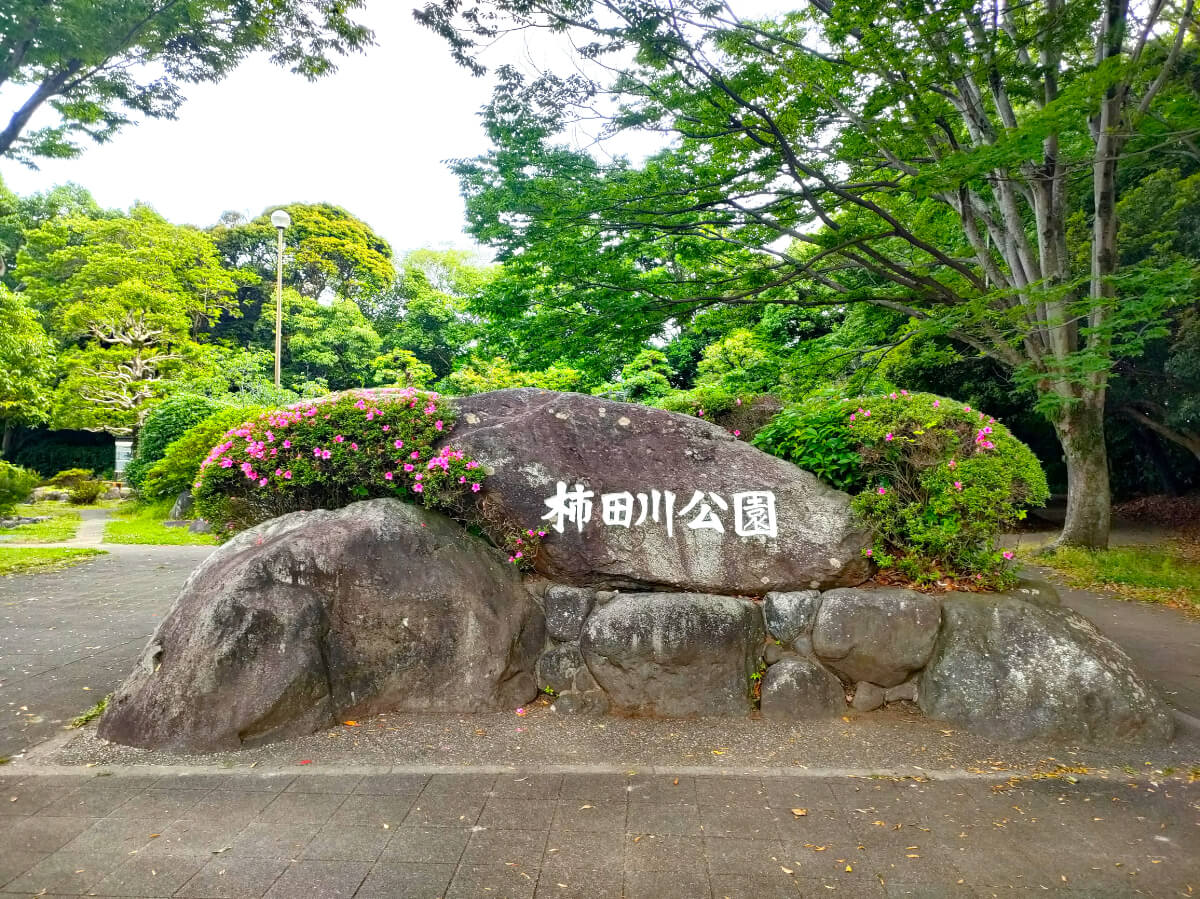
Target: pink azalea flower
<point>958,485</point>
<point>904,393</point>
<point>462,480</point>
<point>737,433</point>
<point>966,408</point>
<point>387,427</point>
<point>438,424</point>
<point>852,416</point>
<point>287,444</point>
<point>882,491</point>
<point>287,475</point>
<point>952,463</point>
<point>701,413</point>
<point>739,402</point>
<point>417,488</point>
<point>867,414</point>
<point>325,454</point>
<point>541,533</point>
<point>262,482</point>
<point>889,436</point>
<point>414,455</point>
<point>278,472</point>
<point>397,443</point>
<point>1007,554</point>
<point>407,467</point>
<point>936,403</point>
<point>226,463</point>
<point>868,552</point>
<point>418,476</point>
<point>472,464</point>
<point>354,446</point>
<point>339,439</point>
<point>475,488</point>
<point>518,555</point>
<point>387,475</point>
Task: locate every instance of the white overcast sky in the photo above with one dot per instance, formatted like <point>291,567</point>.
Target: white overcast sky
<point>373,137</point>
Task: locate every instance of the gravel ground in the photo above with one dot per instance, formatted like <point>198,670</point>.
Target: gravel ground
<point>896,739</point>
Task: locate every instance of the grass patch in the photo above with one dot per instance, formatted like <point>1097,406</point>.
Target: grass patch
<point>26,559</point>
<point>1160,574</point>
<point>92,714</point>
<point>142,523</point>
<point>63,523</point>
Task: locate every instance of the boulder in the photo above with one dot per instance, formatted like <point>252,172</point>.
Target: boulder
<point>1011,669</point>
<point>557,666</point>
<point>48,494</point>
<point>675,654</point>
<point>801,688</point>
<point>906,691</point>
<point>315,617</point>
<point>791,614</point>
<point>632,496</point>
<point>182,508</point>
<point>199,526</point>
<point>566,609</point>
<point>880,635</point>
<point>867,697</point>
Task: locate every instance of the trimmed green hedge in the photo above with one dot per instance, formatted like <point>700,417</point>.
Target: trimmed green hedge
<point>180,463</point>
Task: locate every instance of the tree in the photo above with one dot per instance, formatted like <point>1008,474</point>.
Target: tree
<point>328,252</point>
<point>956,162</point>
<point>26,367</point>
<point>332,345</point>
<point>425,312</point>
<point>126,298</point>
<point>101,63</point>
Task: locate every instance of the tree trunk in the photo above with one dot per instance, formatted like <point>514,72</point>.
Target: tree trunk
<point>1080,430</point>
<point>7,444</point>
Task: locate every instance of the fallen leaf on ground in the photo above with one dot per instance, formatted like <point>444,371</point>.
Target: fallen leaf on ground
<point>350,723</point>
<point>799,812</point>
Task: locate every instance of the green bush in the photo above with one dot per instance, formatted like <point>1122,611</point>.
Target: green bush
<point>16,484</point>
<point>937,481</point>
<point>702,402</point>
<point>84,493</point>
<point>326,454</point>
<point>177,469</point>
<point>167,422</point>
<point>70,477</point>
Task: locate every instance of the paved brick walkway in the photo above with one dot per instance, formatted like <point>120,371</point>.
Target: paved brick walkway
<point>399,834</point>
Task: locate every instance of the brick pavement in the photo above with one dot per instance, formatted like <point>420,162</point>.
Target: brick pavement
<point>543,834</point>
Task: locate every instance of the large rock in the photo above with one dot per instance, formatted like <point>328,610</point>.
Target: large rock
<point>531,441</point>
<point>182,508</point>
<point>800,688</point>
<point>1012,669</point>
<point>316,617</point>
<point>880,635</point>
<point>675,654</point>
<point>791,615</point>
<point>566,609</point>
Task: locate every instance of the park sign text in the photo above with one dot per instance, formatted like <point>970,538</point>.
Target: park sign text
<point>753,511</point>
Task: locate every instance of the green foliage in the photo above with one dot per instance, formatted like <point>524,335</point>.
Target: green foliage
<point>124,296</point>
<point>103,64</point>
<point>16,484</point>
<point>482,375</point>
<point>70,477</point>
<point>644,380</point>
<point>91,714</point>
<point>327,454</point>
<point>166,422</point>
<point>937,481</point>
<point>180,463</point>
<point>85,493</point>
<point>816,438</point>
<point>701,401</point>
<point>401,368</point>
<point>26,363</point>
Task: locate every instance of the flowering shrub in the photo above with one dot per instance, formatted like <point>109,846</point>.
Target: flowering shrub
<point>176,471</point>
<point>328,454</point>
<point>936,480</point>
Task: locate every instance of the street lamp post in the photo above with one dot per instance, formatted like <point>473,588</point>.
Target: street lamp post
<point>280,219</point>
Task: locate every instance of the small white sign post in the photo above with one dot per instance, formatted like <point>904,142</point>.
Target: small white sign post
<point>124,454</point>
